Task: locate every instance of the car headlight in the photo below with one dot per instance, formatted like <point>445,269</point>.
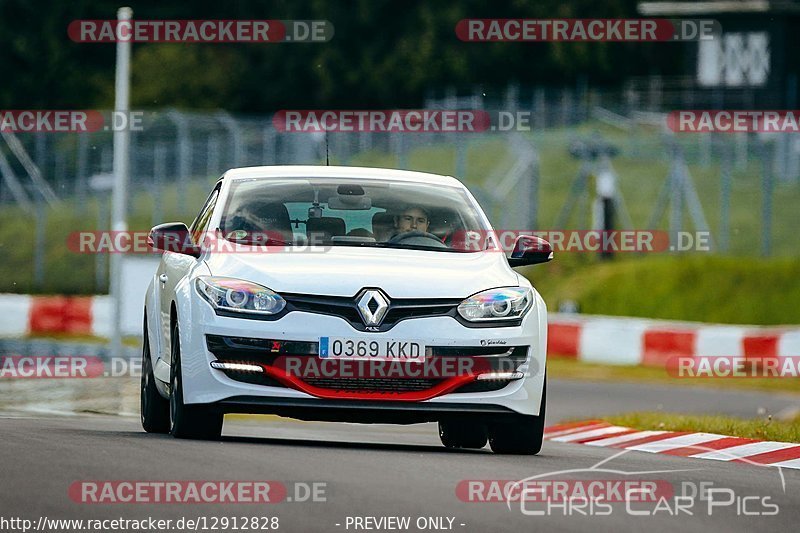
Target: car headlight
<point>506,303</point>
<point>240,296</point>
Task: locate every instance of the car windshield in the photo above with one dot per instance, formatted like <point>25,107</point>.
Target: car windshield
<point>350,212</point>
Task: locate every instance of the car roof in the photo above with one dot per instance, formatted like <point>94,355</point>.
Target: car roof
<point>356,173</point>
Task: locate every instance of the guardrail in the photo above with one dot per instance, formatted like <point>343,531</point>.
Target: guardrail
<point>589,338</point>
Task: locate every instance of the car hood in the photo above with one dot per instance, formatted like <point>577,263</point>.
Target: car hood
<point>344,271</point>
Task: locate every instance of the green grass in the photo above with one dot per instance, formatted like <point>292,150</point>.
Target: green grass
<point>762,429</point>
<point>559,367</point>
<point>698,287</point>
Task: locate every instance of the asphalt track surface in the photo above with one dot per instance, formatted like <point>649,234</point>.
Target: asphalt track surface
<point>381,471</point>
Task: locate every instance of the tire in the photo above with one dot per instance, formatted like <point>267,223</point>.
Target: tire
<point>189,421</point>
<point>153,407</point>
<point>462,434</point>
<point>522,435</point>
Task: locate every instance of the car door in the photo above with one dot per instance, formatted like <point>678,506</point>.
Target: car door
<point>175,266</point>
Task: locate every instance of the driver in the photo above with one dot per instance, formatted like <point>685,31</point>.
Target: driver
<point>412,219</point>
<point>412,229</point>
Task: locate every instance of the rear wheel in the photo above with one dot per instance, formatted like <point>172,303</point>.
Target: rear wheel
<point>522,435</point>
<point>153,407</point>
<point>462,434</point>
<point>189,421</point>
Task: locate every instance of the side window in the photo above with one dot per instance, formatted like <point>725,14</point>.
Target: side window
<point>200,224</point>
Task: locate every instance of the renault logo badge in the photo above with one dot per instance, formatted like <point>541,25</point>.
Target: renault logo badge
<point>372,305</point>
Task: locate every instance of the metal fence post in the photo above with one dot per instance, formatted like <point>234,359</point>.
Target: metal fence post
<point>790,162</point>
<point>400,147</point>
<point>462,145</point>
<point>269,145</point>
<point>133,170</point>
<point>676,193</point>
<point>81,171</point>
<point>566,108</point>
<point>159,170</point>
<point>100,260</point>
<point>119,201</point>
<point>741,140</point>
<point>725,197</point>
<point>766,203</point>
<point>230,124</point>
<point>106,161</point>
<point>582,99</point>
<point>212,156</point>
<point>60,172</point>
<point>654,93</point>
<point>40,151</point>
<point>184,153</point>
<point>533,191</point>
<point>365,141</point>
<point>39,243</point>
<point>539,109</point>
<point>706,143</point>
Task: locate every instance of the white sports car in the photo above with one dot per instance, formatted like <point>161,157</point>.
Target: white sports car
<point>345,294</point>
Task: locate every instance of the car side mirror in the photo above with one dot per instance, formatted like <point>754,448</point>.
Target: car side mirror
<point>530,250</point>
<point>173,237</point>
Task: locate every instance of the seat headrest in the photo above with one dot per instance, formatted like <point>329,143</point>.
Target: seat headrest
<point>382,226</point>
<point>272,219</point>
<point>324,228</point>
<point>442,226</point>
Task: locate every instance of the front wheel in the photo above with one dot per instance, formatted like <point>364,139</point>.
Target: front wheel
<point>522,435</point>
<point>462,434</point>
<point>189,421</point>
<point>154,408</point>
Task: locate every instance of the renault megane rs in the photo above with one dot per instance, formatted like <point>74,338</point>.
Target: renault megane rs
<point>345,294</point>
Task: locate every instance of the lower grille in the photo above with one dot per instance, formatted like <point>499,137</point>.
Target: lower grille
<point>373,384</point>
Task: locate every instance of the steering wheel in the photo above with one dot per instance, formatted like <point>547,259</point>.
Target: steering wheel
<point>416,234</point>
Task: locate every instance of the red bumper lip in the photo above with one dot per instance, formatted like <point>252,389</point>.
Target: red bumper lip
<point>295,382</point>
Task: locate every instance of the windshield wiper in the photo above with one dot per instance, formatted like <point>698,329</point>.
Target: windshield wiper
<point>398,246</point>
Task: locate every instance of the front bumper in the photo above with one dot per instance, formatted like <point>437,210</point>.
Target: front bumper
<point>361,411</point>
<point>205,385</point>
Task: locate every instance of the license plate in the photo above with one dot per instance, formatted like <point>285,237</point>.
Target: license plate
<point>371,349</point>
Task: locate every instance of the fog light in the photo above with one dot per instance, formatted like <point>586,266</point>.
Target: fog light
<point>490,376</point>
<point>236,367</point>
